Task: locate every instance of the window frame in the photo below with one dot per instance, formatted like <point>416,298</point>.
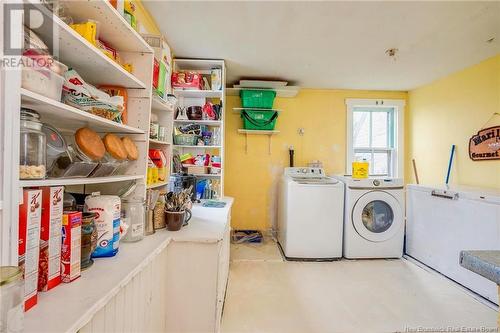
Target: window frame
<point>396,163</point>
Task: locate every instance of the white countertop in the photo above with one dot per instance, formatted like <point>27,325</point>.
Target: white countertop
<point>69,306</point>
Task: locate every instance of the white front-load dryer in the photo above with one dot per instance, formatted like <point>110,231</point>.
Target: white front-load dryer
<point>374,217</point>
<point>310,215</point>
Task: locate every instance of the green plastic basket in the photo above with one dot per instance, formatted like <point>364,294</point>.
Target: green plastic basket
<point>262,99</point>
<point>259,120</point>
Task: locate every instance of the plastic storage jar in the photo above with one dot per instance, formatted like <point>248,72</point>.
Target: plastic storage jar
<point>32,150</point>
<point>115,158</point>
<point>81,157</point>
<point>134,214</point>
<point>11,302</point>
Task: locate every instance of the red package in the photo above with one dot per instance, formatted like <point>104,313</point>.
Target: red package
<point>49,263</point>
<point>30,215</point>
<point>71,246</point>
<point>190,80</point>
<point>156,73</point>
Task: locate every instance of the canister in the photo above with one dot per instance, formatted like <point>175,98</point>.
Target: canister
<point>11,301</point>
<point>134,214</point>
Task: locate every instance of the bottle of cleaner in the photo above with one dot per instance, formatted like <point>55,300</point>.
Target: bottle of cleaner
<point>360,169</point>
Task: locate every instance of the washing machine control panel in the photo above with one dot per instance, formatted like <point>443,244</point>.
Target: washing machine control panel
<point>305,172</point>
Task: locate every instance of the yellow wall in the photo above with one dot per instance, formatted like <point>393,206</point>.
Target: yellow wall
<point>449,111</point>
<point>252,178</point>
<point>146,21</point>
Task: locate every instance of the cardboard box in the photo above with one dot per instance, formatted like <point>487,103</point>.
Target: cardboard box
<point>196,169</point>
<point>71,246</point>
<point>30,215</point>
<point>49,263</point>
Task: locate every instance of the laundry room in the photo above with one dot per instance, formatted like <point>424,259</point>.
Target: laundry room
<point>249,166</point>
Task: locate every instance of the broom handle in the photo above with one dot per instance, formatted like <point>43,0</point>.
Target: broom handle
<point>415,171</point>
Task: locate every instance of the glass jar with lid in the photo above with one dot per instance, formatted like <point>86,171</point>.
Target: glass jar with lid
<point>115,157</point>
<point>134,214</point>
<point>11,302</point>
<point>32,149</point>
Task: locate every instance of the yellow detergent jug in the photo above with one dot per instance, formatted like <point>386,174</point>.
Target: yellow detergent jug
<point>360,169</point>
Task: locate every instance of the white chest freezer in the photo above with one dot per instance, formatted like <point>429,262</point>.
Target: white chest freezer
<point>442,222</point>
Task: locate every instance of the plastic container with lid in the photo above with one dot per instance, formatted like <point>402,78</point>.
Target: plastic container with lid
<point>32,150</point>
<point>81,157</point>
<point>41,79</point>
<point>12,299</point>
<point>114,159</point>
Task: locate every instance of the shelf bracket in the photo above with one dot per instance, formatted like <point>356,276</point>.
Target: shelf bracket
<point>270,143</point>
<point>246,143</point>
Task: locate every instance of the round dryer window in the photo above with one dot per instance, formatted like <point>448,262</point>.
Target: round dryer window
<point>377,216</point>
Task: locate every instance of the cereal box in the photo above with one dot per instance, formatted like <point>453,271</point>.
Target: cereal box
<point>30,214</point>
<point>71,246</point>
<point>49,264</point>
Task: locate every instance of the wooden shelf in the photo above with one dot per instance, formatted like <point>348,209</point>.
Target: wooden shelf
<point>156,185</point>
<point>158,142</point>
<point>158,105</point>
<point>207,175</point>
<point>113,28</point>
<point>288,91</point>
<point>77,181</point>
<point>257,132</point>
<point>200,122</point>
<point>65,117</point>
<point>198,93</point>
<point>76,52</point>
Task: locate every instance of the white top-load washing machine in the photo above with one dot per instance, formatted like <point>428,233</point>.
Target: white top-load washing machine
<point>374,217</point>
<point>310,215</point>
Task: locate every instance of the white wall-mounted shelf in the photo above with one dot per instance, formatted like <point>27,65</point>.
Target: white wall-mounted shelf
<point>156,185</point>
<point>76,52</point>
<point>197,147</point>
<point>258,132</point>
<point>287,92</point>
<point>77,181</point>
<point>199,122</point>
<point>159,142</point>
<point>63,116</point>
<point>198,93</point>
<point>207,175</point>
<point>112,25</point>
<point>158,105</point>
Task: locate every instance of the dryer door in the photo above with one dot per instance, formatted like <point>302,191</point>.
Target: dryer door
<point>377,216</point>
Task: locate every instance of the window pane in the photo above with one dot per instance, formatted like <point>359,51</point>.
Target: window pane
<point>379,129</point>
<point>361,129</point>
<point>380,164</point>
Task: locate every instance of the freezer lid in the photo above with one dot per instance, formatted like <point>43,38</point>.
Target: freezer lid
<point>458,192</point>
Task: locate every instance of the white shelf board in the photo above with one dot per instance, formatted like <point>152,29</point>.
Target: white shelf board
<point>156,185</point>
<point>238,110</point>
<point>288,92</point>
<point>158,142</point>
<point>200,122</point>
<point>257,132</point>
<point>63,116</point>
<point>197,147</point>
<point>113,28</point>
<point>77,181</point>
<point>76,52</point>
<point>207,175</point>
<point>198,64</point>
<point>198,93</point>
<point>158,105</point>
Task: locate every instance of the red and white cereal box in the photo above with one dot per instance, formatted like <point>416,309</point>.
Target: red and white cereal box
<point>30,214</point>
<point>49,264</point>
<point>71,246</point>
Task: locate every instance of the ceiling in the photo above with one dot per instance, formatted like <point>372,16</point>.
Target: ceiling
<point>333,45</point>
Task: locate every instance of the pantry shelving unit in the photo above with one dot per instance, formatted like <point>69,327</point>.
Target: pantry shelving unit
<point>188,98</point>
<point>95,68</point>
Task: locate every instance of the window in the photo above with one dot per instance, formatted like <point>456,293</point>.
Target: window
<point>375,133</point>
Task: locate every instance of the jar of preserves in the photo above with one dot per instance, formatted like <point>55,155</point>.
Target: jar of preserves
<point>11,302</point>
<point>32,148</point>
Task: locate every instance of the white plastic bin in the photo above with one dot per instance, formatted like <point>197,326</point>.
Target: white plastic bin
<point>41,80</point>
